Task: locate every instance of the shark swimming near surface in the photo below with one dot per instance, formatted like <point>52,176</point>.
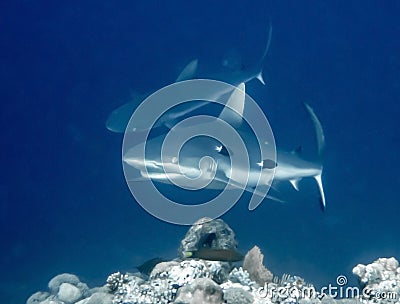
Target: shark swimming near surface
<point>205,162</point>
<point>118,119</point>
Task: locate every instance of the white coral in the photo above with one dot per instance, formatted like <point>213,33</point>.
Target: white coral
<point>163,284</point>
<point>240,275</point>
<point>187,271</point>
<point>380,278</point>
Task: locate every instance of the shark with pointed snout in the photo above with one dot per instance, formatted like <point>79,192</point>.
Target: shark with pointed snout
<point>205,162</point>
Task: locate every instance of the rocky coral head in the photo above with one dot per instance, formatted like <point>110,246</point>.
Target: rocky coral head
<point>200,291</point>
<point>209,234</point>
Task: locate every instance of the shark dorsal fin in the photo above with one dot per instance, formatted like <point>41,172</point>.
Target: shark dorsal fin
<point>188,71</point>
<point>233,111</point>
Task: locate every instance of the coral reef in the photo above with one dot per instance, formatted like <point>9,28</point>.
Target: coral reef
<point>210,234</point>
<point>235,295</point>
<point>66,288</point>
<point>253,263</point>
<point>201,291</point>
<point>56,282</point>
<point>200,280</point>
<point>380,280</point>
<point>69,293</point>
<point>116,280</point>
<point>37,297</point>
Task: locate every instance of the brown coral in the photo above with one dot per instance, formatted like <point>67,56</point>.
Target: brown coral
<point>253,263</point>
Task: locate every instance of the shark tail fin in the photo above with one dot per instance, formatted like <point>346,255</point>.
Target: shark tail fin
<point>259,75</point>
<point>321,148</point>
<point>318,179</point>
<point>318,130</point>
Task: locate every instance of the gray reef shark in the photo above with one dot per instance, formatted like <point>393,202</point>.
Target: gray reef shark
<point>119,118</point>
<point>204,161</point>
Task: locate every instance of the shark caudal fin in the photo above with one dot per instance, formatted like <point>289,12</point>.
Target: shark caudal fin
<point>321,148</point>
<point>318,130</point>
<point>260,65</point>
<point>318,179</point>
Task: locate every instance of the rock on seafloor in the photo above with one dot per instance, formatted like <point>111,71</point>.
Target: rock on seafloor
<point>202,290</point>
<point>207,233</point>
<point>66,288</point>
<point>238,295</point>
<point>69,293</point>
<point>189,280</point>
<point>38,297</point>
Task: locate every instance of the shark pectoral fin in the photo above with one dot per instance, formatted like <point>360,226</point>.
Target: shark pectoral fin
<point>189,71</point>
<point>262,190</point>
<point>271,186</point>
<point>255,202</point>
<point>295,183</point>
<point>235,185</point>
<point>274,198</point>
<point>318,179</point>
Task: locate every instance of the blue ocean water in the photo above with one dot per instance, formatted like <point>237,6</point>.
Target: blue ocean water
<point>65,206</point>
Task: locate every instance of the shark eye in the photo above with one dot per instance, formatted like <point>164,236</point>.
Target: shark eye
<point>222,150</point>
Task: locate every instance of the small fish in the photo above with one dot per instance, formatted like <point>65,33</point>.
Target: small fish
<point>149,265</point>
<point>212,254</point>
